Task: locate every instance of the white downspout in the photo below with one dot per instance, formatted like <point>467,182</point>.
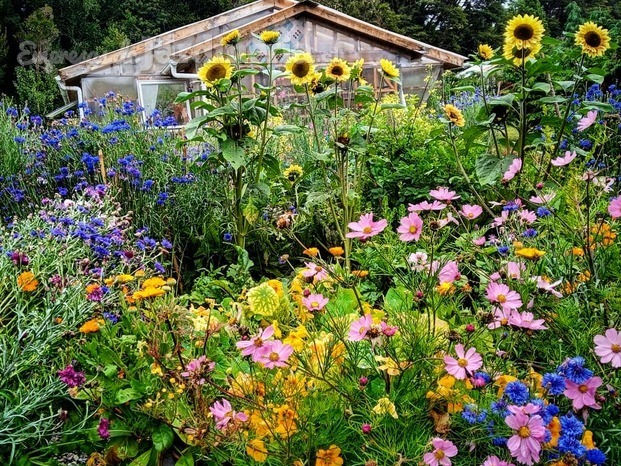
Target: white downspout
<point>77,89</point>
<point>175,74</point>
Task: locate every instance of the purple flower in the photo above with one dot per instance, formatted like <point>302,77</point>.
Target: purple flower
<point>71,377</point>
<point>102,428</point>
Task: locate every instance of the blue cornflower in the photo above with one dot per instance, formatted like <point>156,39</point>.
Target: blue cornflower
<point>554,383</point>
<point>517,392</point>
<point>511,206</point>
<point>166,244</point>
<point>572,445</point>
<point>574,370</point>
<point>503,250</point>
<point>571,426</point>
<point>159,268</point>
<point>585,144</point>
<point>499,441</point>
<point>530,233</point>
<point>499,407</point>
<point>595,456</point>
<point>162,198</point>
<point>112,318</point>
<point>19,139</point>
<point>543,212</point>
<point>228,237</point>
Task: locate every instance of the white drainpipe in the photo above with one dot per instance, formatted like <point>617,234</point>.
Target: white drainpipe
<point>175,74</point>
<point>77,89</point>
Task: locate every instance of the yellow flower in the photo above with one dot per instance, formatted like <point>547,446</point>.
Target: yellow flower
<point>278,288</point>
<point>256,450</point>
<point>155,282</point>
<point>555,429</point>
<point>530,253</point>
<point>263,300</point>
<point>389,365</point>
<point>338,70</point>
<point>150,292</point>
<point>156,369</point>
<point>454,115</point>
<point>27,281</point>
<point>329,457</point>
<point>485,52</point>
<point>587,440</point>
<point>231,38</point>
<point>296,338</point>
<point>512,52</point>
<point>524,31</point>
<point>293,172</point>
<point>360,273</point>
<point>389,69</point>
<point>312,252</point>
<point>214,70</point>
<point>286,421</point>
<point>336,251</point>
<point>90,326</point>
<point>445,288</point>
<point>385,406</point>
<point>269,37</point>
<point>577,251</point>
<point>301,67</point>
<point>593,39</point>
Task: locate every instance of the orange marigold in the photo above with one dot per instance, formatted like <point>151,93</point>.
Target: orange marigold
<point>329,457</point>
<point>27,281</point>
<point>90,326</point>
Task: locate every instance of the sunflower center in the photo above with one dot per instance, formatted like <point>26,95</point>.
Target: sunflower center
<point>300,68</point>
<point>592,39</point>
<point>367,230</point>
<point>583,388</point>
<point>216,72</point>
<point>338,70</point>
<point>615,348</point>
<point>524,432</point>
<point>413,228</point>
<point>501,298</point>
<point>439,454</point>
<point>524,32</point>
<point>461,362</point>
<point>274,356</point>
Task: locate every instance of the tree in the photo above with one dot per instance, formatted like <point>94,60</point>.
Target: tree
<point>40,32</point>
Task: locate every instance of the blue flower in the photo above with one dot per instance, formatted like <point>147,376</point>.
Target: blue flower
<point>571,426</point>
<point>554,383</point>
<point>166,244</point>
<point>585,144</point>
<point>162,198</point>
<point>543,212</point>
<point>574,370</point>
<point>517,392</point>
<point>530,233</point>
<point>228,237</point>
<point>595,456</point>
<point>112,318</point>
<point>572,445</point>
<point>503,250</point>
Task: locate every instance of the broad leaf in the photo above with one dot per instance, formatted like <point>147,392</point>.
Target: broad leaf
<point>162,438</point>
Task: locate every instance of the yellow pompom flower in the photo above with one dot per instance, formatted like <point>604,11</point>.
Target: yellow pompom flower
<point>485,52</point>
<point>27,281</point>
<point>232,38</point>
<point>269,37</point>
<point>214,70</point>
<point>454,115</point>
<point>389,69</point>
<point>301,68</point>
<point>524,31</point>
<point>593,39</point>
<point>519,56</point>
<point>154,282</point>
<point>90,326</point>
<point>338,70</point>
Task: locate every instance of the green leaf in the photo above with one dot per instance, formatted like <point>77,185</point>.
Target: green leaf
<point>187,459</point>
<point>246,72</point>
<point>193,126</point>
<point>596,78</point>
<point>489,168</point>
<point>142,460</point>
<point>565,85</point>
<point>543,87</point>
<point>398,300</point>
<point>162,438</point>
<point>603,106</point>
<point>185,96</point>
<point>286,129</point>
<point>344,303</point>
<point>389,106</point>
<point>127,394</point>
<point>233,154</point>
<point>553,99</point>
<point>110,370</point>
<point>463,89</point>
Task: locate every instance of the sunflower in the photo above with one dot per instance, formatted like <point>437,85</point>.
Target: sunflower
<point>593,39</point>
<point>269,37</point>
<point>511,52</point>
<point>524,31</point>
<point>454,115</point>
<point>302,68</point>
<point>293,172</point>
<point>231,38</point>
<point>214,70</point>
<point>338,70</point>
<point>389,69</point>
<point>485,52</point>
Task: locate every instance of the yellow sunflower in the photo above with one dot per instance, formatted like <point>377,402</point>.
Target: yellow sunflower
<point>231,38</point>
<point>511,52</point>
<point>214,70</point>
<point>593,39</point>
<point>269,37</point>
<point>485,52</point>
<point>301,67</point>
<point>524,31</point>
<point>338,70</point>
<point>389,69</point>
<point>454,115</point>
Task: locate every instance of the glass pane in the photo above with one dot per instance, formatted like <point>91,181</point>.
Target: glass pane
<point>161,97</point>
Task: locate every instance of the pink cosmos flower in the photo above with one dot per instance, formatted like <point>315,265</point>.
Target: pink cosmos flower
<point>562,161</point>
<point>466,362</point>
<point>614,208</point>
<point>503,295</point>
<point>195,369</point>
<point>526,320</point>
<point>499,221</point>
<point>275,354</point>
<point>411,227</point>
<point>513,170</point>
<point>608,347</point>
<point>479,241</point>
<point>223,413</point>
<point>545,285</point>
<point>315,302</point>
<point>583,395</point>
<point>527,216</point>
<point>587,121</point>
<point>418,261</point>
<point>529,433</point>
<point>443,451</point>
<point>314,271</point>
<point>471,211</point>
<point>495,461</point>
<point>388,330</point>
<point>501,318</point>
<point>256,345</point>
<point>423,206</point>
<point>366,228</point>
<point>604,182</point>
<point>444,194</point>
<point>358,329</point>
<point>442,222</point>
<point>514,270</point>
<point>449,273</point>
<point>542,198</point>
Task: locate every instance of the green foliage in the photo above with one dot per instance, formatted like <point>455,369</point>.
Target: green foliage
<point>37,90</point>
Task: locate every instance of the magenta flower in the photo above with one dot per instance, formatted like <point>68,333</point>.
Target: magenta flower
<point>562,161</point>
<point>358,329</point>
<point>587,121</point>
<point>103,428</point>
<point>314,271</point>
<point>608,347</point>
<point>614,208</point>
<point>223,413</point>
<point>501,294</point>
<point>365,228</point>
<point>495,461</point>
<point>526,320</point>
<point>466,362</point>
<point>256,345</point>
<point>425,206</point>
<point>545,285</point>
<point>449,273</point>
<point>514,270</point>
<point>529,433</point>
<point>388,330</point>
<point>471,211</point>
<point>479,241</point>
<point>542,199</point>
<point>583,395</point>
<point>195,369</point>
<point>315,302</point>
<point>71,377</point>
<point>276,354</point>
<point>444,194</point>
<point>513,170</point>
<point>410,228</point>
<point>443,451</point>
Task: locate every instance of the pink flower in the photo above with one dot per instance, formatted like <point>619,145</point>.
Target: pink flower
<point>358,329</point>
<point>471,211</point>
<point>495,461</point>
<point>223,413</point>
<point>501,318</point>
<point>562,161</point>
<point>513,170</point>
<point>449,273</point>
<point>466,362</point>
<point>527,216</point>
<point>314,271</point>
<point>423,206</point>
<point>365,228</point>
<point>443,451</point>
<point>545,285</point>
<point>195,369</point>
<point>479,241</point>
<point>608,347</point>
<point>529,434</point>
<point>514,270</point>
<point>499,221</point>
<point>315,302</point>
<point>442,222</point>
<point>587,121</point>
<point>418,261</point>
<point>503,295</point>
<point>388,330</point>
<point>444,194</point>
<point>411,227</point>
<point>526,320</point>
<point>542,198</point>
<point>614,208</point>
<point>583,394</point>
<point>275,354</point>
<point>256,345</point>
